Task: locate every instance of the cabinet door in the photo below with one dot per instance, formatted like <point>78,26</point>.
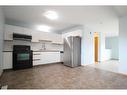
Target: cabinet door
<point>17,29</point>
<point>7,60</point>
<point>8,32</point>
<point>45,36</point>
<point>57,38</point>
<point>27,31</point>
<point>50,57</point>
<point>35,36</point>
<point>10,29</point>
<point>55,56</point>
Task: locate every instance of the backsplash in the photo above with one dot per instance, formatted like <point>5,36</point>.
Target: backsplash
<point>48,46</point>
<point>8,45</point>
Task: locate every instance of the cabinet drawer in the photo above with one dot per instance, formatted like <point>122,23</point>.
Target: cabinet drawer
<point>37,62</point>
<point>36,54</point>
<point>36,59</point>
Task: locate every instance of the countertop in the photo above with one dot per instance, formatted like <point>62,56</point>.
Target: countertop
<point>41,51</point>
<point>46,51</point>
<point>7,51</point>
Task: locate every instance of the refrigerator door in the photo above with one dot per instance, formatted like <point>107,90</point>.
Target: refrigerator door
<point>68,52</point>
<point>72,51</point>
<point>76,51</point>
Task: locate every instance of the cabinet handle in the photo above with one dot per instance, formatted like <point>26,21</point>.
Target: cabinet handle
<point>37,54</point>
<point>36,59</point>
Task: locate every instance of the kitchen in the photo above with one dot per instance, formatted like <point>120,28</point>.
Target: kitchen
<point>47,47</point>
<point>36,45</point>
<point>62,45</point>
<point>41,43</point>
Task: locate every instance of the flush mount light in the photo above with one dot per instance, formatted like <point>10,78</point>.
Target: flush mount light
<point>51,15</point>
<point>43,28</point>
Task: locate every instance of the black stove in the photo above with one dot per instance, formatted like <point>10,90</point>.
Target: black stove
<point>22,57</point>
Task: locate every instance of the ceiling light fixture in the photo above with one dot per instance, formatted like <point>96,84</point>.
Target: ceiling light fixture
<point>43,28</point>
<point>52,15</point>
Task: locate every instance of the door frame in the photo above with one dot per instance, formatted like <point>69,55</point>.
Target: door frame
<point>96,47</point>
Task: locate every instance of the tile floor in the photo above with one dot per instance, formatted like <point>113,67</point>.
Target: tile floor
<point>110,65</point>
<point>58,76</point>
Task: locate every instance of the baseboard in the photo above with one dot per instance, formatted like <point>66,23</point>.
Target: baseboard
<point>114,59</point>
<point>47,64</point>
<point>36,65</point>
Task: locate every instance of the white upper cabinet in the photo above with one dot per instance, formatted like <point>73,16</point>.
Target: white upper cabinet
<point>8,32</point>
<point>27,31</point>
<point>17,29</point>
<point>36,35</point>
<point>10,29</point>
<point>45,36</point>
<point>57,39</point>
<point>52,37</point>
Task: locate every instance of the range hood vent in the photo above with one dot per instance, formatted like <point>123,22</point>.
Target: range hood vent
<point>22,37</point>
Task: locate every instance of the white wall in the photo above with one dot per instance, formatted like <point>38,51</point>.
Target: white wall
<point>1,38</point>
<point>88,46</point>
<point>105,54</point>
<point>113,44</point>
<point>88,49</point>
<point>123,44</point>
<point>88,36</point>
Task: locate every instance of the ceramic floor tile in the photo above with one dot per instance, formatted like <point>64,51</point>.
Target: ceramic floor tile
<point>58,76</point>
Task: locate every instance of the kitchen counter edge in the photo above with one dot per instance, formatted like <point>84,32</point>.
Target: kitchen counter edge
<point>41,51</point>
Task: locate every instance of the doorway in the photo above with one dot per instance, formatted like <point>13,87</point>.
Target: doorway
<point>96,47</point>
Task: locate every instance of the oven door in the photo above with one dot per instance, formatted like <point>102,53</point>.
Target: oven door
<point>22,60</point>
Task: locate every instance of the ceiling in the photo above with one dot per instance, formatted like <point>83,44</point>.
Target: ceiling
<point>98,18</point>
<point>121,10</point>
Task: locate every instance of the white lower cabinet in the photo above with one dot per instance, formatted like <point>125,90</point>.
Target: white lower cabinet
<point>50,57</point>
<point>38,58</point>
<point>45,57</point>
<point>7,60</point>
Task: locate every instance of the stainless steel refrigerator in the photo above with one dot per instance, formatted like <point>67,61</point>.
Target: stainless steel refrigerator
<point>72,51</point>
